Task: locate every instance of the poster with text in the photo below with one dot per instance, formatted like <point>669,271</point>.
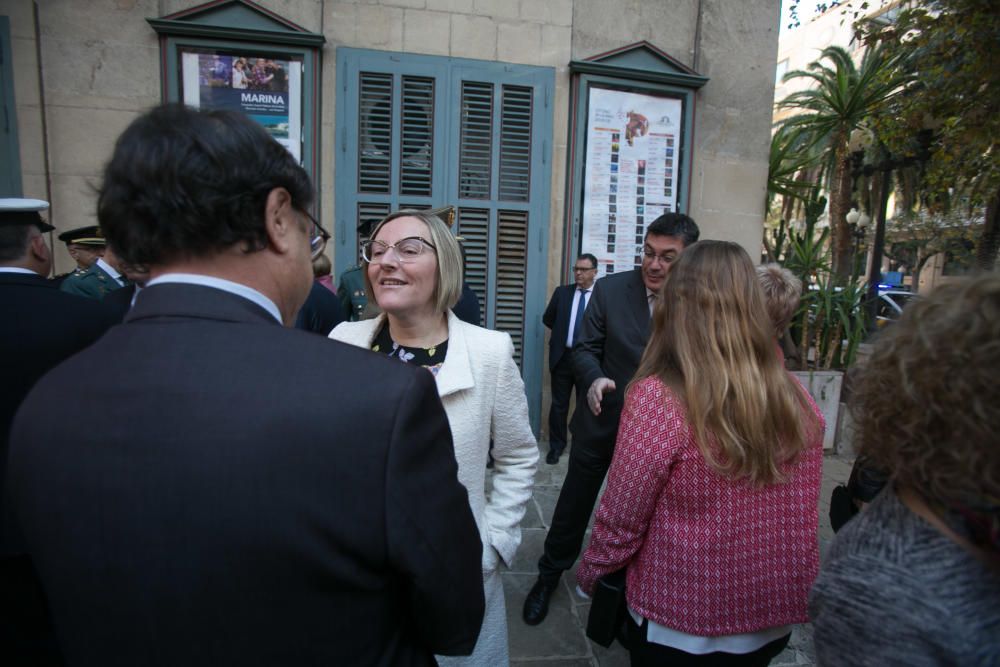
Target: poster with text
<point>266,89</point>
<point>630,173</point>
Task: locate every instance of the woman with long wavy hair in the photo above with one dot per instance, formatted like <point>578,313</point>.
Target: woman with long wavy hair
<point>711,502</point>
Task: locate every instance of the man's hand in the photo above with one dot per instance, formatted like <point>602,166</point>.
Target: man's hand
<point>596,393</point>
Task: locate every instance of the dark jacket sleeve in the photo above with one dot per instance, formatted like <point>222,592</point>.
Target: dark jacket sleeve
<point>588,353</point>
<point>549,316</point>
<point>431,534</point>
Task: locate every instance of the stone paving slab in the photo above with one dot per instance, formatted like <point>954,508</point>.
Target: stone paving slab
<point>560,641</point>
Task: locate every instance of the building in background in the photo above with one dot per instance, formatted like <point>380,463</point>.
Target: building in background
<point>489,105</point>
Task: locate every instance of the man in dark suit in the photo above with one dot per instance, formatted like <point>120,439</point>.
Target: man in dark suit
<point>564,316</point>
<point>615,331</point>
<point>40,327</point>
<point>259,495</point>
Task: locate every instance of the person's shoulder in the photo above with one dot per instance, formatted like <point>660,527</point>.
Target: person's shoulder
<point>355,333</point>
<point>617,280</point>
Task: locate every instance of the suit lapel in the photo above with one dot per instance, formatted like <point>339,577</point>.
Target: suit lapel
<point>638,302</point>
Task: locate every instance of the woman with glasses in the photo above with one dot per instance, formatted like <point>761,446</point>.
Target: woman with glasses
<point>413,271</point>
<point>711,500</point>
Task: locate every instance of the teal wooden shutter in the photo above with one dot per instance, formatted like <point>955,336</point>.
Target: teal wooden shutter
<point>422,131</point>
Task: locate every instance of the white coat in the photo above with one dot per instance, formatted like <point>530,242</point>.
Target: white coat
<point>483,396</point>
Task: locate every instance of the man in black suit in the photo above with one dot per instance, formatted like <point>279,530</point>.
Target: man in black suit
<point>40,327</point>
<point>615,331</point>
<point>259,495</point>
<point>564,316</point>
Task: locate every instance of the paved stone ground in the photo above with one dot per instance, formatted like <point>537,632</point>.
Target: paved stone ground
<point>560,639</point>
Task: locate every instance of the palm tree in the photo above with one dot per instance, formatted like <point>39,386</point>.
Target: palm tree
<point>840,100</point>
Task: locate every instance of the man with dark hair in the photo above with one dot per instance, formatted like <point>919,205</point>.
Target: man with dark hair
<point>259,495</point>
<point>564,316</point>
<point>615,331</point>
<point>40,327</point>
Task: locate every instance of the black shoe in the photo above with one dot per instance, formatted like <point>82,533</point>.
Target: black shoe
<point>536,605</point>
<point>552,457</point>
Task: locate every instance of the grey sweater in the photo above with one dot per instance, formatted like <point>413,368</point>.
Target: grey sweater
<point>895,591</point>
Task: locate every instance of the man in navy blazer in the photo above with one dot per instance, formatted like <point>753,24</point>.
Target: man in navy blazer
<point>615,332</point>
<point>257,495</point>
<point>564,316</point>
<point>40,327</point>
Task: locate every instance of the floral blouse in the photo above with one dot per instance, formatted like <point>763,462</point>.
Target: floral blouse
<point>430,358</point>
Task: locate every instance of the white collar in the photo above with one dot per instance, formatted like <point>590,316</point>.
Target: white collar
<point>18,269</point>
<point>239,289</point>
<point>108,269</point>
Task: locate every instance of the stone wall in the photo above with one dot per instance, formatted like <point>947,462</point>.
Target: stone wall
<point>100,65</point>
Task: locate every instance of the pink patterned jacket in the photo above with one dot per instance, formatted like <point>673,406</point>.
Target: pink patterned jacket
<point>706,555</point>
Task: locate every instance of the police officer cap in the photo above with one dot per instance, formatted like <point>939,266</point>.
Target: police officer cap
<point>89,236</point>
<point>19,211</point>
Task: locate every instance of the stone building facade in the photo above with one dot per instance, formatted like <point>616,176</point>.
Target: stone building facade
<point>79,72</point>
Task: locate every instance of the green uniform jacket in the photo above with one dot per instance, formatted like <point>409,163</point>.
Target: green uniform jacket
<point>93,283</point>
<point>351,293</point>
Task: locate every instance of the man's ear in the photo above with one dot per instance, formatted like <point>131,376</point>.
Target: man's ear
<point>39,249</point>
<point>279,220</point>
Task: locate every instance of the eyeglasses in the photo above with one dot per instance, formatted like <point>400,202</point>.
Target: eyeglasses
<point>652,256</point>
<point>318,237</point>
<point>407,250</point>
<point>584,269</point>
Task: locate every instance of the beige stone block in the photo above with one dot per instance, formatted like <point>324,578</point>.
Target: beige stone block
<point>408,4</point>
<point>426,32</point>
<point>380,27</point>
<point>560,115</point>
<point>33,186</point>
<point>473,37</point>
<point>81,139</point>
<point>519,42</point>
<point>600,26</point>
<point>74,202</point>
<point>93,68</point>
<point>500,9</point>
<point>340,24</point>
<point>30,140</point>
<point>727,201</point>
<point>550,12</point>
<point>557,46</point>
<point>120,21</point>
<point>451,6</point>
<point>307,14</point>
<point>24,64</point>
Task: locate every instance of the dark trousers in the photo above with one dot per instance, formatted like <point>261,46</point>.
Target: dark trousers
<point>589,461</point>
<point>646,654</point>
<point>562,388</point>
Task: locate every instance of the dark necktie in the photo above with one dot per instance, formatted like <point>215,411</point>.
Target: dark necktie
<point>581,304</point>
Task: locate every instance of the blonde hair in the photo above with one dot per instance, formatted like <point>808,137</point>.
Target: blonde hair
<point>925,405</point>
<point>714,344</point>
<point>448,287</point>
<point>782,291</point>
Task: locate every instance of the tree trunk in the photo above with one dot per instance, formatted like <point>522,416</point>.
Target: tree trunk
<point>840,202</point>
<point>989,242</point>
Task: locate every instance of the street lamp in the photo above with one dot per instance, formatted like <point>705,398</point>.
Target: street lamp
<point>859,229</point>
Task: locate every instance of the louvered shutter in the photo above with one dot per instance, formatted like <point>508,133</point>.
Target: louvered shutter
<point>420,132</point>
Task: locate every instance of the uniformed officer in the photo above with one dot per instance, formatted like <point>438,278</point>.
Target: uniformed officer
<point>102,277</point>
<point>351,288</point>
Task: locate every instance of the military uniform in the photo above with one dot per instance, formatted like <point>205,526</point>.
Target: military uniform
<point>351,292</point>
<point>94,283</point>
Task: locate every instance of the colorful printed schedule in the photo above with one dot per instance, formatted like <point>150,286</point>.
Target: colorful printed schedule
<point>630,173</point>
